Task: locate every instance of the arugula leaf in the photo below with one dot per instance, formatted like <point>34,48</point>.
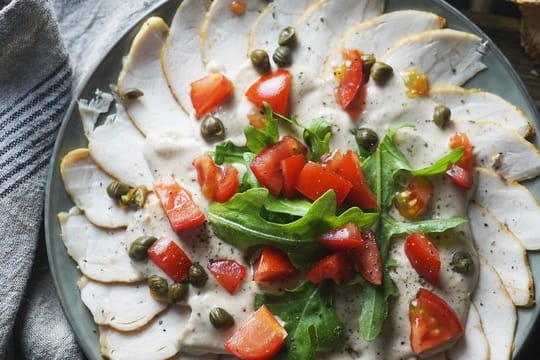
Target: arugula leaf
<point>311,322</point>
<point>228,152</point>
<point>256,139</point>
<point>317,137</point>
<point>239,223</point>
<point>296,207</point>
<point>441,165</point>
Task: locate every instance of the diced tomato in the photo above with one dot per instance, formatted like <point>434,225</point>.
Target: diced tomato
<point>414,200</point>
<point>273,88</point>
<point>260,337</point>
<point>335,267</point>
<point>345,237</point>
<point>433,322</point>
<point>266,165</point>
<point>351,170</point>
<point>238,7</point>
<point>170,258</point>
<point>461,173</point>
<point>228,273</point>
<point>216,183</point>
<point>272,265</point>
<point>177,203</point>
<point>209,92</point>
<point>366,259</point>
<point>424,256</point>
<point>314,180</point>
<point>290,169</point>
<point>352,77</point>
<point>332,160</point>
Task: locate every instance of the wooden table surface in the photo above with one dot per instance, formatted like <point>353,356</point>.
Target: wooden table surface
<point>505,34</point>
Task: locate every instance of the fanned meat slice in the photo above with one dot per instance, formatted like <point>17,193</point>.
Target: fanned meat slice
<point>323,23</point>
<point>224,35</point>
<point>473,344</point>
<point>181,56</point>
<point>478,105</point>
<point>124,307</point>
<point>158,340</point>
<point>100,254</point>
<point>497,312</point>
<point>116,146</point>
<point>504,252</point>
<point>377,35</point>
<point>512,204</point>
<point>87,185</point>
<point>448,57</point>
<point>156,110</point>
<point>275,17</point>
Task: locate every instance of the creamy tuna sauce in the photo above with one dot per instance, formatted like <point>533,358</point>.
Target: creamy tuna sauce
<point>169,154</point>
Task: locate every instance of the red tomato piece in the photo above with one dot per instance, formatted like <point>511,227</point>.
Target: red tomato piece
<point>290,169</point>
<point>266,165</point>
<point>345,237</point>
<point>352,77</point>
<point>424,256</point>
<point>335,267</point>
<point>314,180</point>
<point>260,337</point>
<point>238,7</point>
<point>209,92</point>
<point>272,265</point>
<point>170,258</point>
<point>461,173</point>
<point>216,183</point>
<point>414,200</point>
<point>433,322</point>
<point>366,259</point>
<point>332,160</point>
<point>228,273</point>
<point>274,88</point>
<point>351,170</point>
<point>177,203</point>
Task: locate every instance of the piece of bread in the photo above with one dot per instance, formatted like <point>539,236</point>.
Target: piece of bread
<point>530,29</point>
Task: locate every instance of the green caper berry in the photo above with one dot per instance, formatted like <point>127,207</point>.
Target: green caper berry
<point>441,115</point>
<point>260,60</point>
<point>287,36</point>
<point>212,128</point>
<point>135,198</point>
<point>381,72</point>
<point>220,318</point>
<point>177,292</point>
<point>366,139</point>
<point>116,189</point>
<point>461,262</point>
<point>131,94</point>
<point>138,250</point>
<point>367,63</point>
<point>282,56</point>
<point>158,287</point>
<point>197,276</point>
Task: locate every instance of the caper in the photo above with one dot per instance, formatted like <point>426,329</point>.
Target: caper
<point>287,36</point>
<point>138,250</point>
<point>220,318</point>
<point>177,292</point>
<point>461,262</point>
<point>212,128</point>
<point>282,56</point>
<point>260,60</point>
<point>381,72</point>
<point>135,198</point>
<point>197,276</point>
<point>366,139</point>
<point>158,287</point>
<point>367,63</point>
<point>116,189</point>
<point>131,94</point>
<point>441,115</point>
